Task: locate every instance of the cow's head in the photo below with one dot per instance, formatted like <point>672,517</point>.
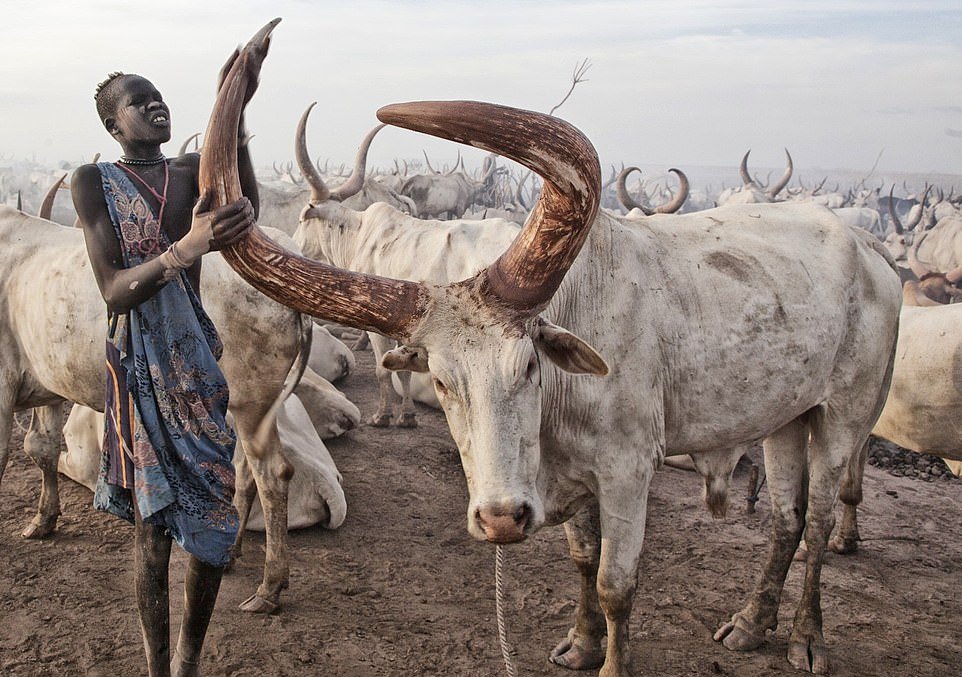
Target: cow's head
<point>486,367</point>
<point>481,338</point>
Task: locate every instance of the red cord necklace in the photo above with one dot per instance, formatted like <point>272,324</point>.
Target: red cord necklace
<point>162,199</point>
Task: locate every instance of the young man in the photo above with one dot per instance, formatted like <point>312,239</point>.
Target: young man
<point>167,447</point>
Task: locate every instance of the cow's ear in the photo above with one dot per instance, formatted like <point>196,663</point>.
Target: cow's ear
<point>566,350</point>
<point>404,358</point>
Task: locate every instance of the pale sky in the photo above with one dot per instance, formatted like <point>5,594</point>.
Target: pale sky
<point>672,83</point>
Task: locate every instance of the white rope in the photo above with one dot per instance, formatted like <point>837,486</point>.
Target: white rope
<point>506,651</point>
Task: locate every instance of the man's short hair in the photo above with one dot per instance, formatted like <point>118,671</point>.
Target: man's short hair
<point>106,95</point>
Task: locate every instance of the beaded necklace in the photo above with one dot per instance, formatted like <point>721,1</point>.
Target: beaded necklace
<point>162,199</point>
<point>139,161</point>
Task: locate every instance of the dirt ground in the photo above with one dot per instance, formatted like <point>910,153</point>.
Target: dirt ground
<point>401,589</point>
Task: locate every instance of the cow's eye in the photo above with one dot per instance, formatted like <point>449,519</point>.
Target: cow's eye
<point>532,371</point>
<point>440,387</point>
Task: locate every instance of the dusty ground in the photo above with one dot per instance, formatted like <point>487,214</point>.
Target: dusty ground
<point>400,588</point>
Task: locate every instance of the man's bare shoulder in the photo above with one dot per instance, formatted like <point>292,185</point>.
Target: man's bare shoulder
<point>187,161</point>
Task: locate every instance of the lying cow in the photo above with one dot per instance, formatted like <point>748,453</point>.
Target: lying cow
<point>314,497</point>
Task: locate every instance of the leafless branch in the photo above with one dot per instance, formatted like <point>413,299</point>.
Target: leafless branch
<point>576,77</point>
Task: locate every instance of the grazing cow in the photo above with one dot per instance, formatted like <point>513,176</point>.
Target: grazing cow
<point>52,344</point>
<point>751,322</point>
<point>437,195</point>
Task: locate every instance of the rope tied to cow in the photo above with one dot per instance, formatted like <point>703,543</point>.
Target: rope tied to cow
<point>507,652</point>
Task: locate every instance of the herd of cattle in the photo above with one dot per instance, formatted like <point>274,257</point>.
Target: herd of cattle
<point>576,331</point>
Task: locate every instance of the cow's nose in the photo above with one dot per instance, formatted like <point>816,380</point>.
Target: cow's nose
<point>503,522</point>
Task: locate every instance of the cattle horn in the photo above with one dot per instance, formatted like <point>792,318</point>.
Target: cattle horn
<point>319,190</point>
<point>183,146</point>
<point>916,213</point>
<point>895,217</point>
<point>786,177</point>
<point>747,180</point>
<point>526,275</point>
<point>919,268</point>
<point>667,208</point>
<point>46,207</point>
<point>364,301</point>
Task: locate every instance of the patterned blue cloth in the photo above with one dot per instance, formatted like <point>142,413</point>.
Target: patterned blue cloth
<point>179,443</point>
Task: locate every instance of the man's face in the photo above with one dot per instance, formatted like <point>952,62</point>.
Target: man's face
<point>141,115</point>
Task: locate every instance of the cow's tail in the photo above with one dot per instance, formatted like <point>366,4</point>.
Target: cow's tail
<point>306,334</point>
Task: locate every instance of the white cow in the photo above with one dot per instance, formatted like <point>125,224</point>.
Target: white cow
<point>923,411</point>
<point>52,341</point>
<point>315,495</point>
<point>765,321</point>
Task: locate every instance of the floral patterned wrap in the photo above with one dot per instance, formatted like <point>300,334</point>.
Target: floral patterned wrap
<point>180,445</point>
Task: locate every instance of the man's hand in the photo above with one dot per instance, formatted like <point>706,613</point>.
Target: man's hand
<point>230,223</point>
<point>210,230</point>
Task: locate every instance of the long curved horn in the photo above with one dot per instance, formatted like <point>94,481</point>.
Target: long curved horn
<point>183,146</point>
<point>786,177</point>
<point>389,307</point>
<point>455,167</point>
<point>319,190</point>
<point>747,179</point>
<point>916,214</point>
<point>428,163</point>
<point>525,276</point>
<point>895,217</point>
<point>683,189</point>
<point>621,190</point>
<point>46,207</point>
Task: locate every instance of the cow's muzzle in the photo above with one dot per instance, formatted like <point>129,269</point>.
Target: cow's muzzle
<point>503,522</point>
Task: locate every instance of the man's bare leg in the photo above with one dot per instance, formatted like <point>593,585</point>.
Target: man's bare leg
<point>151,561</point>
<point>200,593</point>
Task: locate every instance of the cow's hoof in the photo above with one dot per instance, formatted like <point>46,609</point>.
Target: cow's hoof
<point>380,420</point>
<point>407,420</point>
<point>801,555</point>
<point>574,655</point>
<point>740,635</point>
<point>843,546</point>
<point>40,527</point>
<point>255,604</point>
<point>810,656</point>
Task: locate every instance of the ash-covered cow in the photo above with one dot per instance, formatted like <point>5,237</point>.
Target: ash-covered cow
<point>736,324</point>
<point>923,410</point>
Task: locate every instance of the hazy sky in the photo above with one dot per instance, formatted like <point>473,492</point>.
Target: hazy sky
<point>673,83</point>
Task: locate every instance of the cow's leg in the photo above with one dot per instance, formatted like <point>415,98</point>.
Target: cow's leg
<point>846,538</point>
<point>582,648</point>
<point>244,492</point>
<point>272,474</point>
<point>407,414</point>
<point>623,512</point>
<point>833,445</point>
<point>387,397</point>
<point>42,444</point>
<point>6,421</point>
<point>390,403</point>
<point>786,468</point>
